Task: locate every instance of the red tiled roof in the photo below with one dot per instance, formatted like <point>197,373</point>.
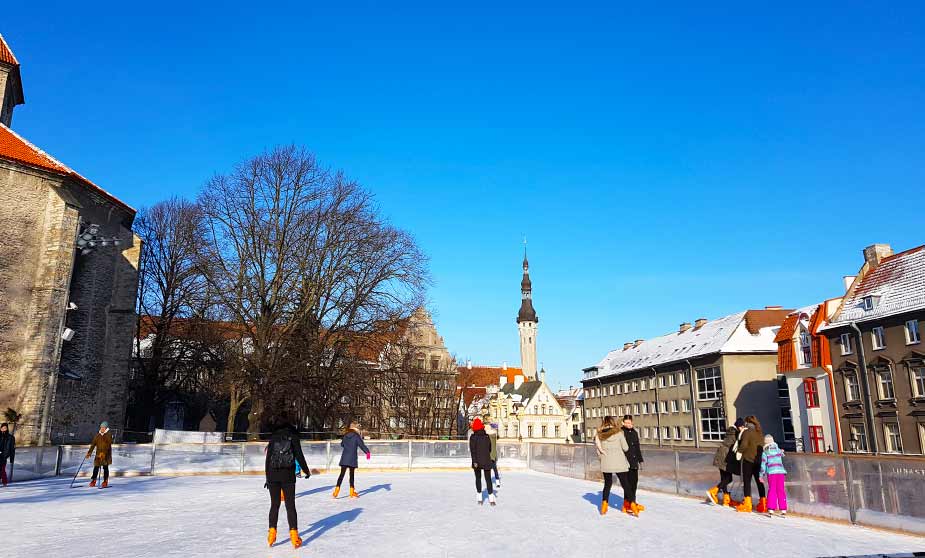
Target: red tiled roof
<point>15,148</point>
<point>6,54</point>
<point>482,376</point>
<point>755,320</point>
<point>899,281</point>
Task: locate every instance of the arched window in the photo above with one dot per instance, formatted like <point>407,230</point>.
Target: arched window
<point>811,391</point>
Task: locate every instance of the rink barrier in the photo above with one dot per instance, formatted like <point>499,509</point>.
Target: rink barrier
<point>877,491</point>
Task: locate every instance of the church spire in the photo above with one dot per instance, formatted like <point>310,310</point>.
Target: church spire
<point>10,83</point>
<point>526,323</point>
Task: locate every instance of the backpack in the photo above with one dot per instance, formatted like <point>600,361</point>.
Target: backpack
<point>280,451</point>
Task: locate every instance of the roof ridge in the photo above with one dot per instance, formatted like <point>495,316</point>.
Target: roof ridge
<point>6,53</point>
<point>38,151</point>
<point>900,254</point>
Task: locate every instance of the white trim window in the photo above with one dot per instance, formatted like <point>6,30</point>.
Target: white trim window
<point>712,424</point>
<point>709,383</point>
<point>663,407</point>
<point>844,340</point>
<point>677,432</point>
<point>859,435</point>
<point>852,388</point>
<point>877,338</point>
<point>806,349</point>
<point>688,433</point>
<point>685,377</point>
<point>686,405</point>
<point>885,383</point>
<point>921,427</point>
<point>645,409</point>
<point>662,381</point>
<point>674,405</point>
<point>672,380</point>
<point>918,381</point>
<point>635,386</point>
<point>892,437</point>
<point>636,409</point>
<point>666,433</point>
<point>651,383</point>
<point>912,332</point>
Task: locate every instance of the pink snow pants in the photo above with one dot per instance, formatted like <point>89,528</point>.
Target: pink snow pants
<point>777,494</point>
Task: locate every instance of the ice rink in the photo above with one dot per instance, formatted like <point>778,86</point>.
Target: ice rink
<point>400,514</point>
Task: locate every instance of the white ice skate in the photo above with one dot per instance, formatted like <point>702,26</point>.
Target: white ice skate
<point>491,499</point>
<point>478,498</point>
<point>497,484</point>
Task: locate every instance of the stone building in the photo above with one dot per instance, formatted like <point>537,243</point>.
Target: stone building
<point>68,279</point>
<point>685,387</point>
<point>878,355</point>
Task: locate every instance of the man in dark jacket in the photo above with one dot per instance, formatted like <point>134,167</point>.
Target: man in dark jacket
<point>480,450</point>
<point>630,479</point>
<point>7,451</point>
<point>283,451</point>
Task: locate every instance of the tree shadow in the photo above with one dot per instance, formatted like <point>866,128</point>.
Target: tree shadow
<point>322,526</point>
<point>594,498</point>
<point>55,490</point>
<point>387,487</point>
<point>315,491</point>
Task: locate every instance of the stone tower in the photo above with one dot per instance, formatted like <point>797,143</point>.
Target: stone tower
<point>526,324</point>
<point>10,84</point>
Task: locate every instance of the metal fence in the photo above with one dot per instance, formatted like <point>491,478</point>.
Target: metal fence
<point>881,491</point>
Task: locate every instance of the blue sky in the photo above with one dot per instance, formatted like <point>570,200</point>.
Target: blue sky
<point>665,163</point>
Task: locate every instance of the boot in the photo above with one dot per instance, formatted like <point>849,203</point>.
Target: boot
<point>746,505</point>
<point>92,483</point>
<point>762,505</point>
<point>634,509</point>
<point>713,494</point>
<point>336,491</point>
<point>626,507</point>
<point>295,538</point>
<point>727,500</point>
<point>105,484</point>
<point>603,507</point>
<point>271,536</point>
<point>491,499</point>
<point>282,495</point>
<point>478,498</point>
<point>353,493</point>
<point>639,506</point>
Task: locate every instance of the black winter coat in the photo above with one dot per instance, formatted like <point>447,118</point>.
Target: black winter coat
<point>634,454</point>
<point>286,475</point>
<point>725,458</point>
<point>480,450</point>
<point>351,442</point>
<point>7,447</point>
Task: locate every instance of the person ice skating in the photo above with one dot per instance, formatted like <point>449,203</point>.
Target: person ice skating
<point>611,445</point>
<point>480,451</point>
<point>283,453</point>
<point>630,479</point>
<point>772,469</point>
<point>751,440</point>
<point>492,431</point>
<point>102,442</point>
<point>7,451</point>
<point>725,460</point>
<point>351,442</point>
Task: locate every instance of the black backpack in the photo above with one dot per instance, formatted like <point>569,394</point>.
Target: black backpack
<point>280,451</point>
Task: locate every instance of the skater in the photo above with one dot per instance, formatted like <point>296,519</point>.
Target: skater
<point>630,479</point>
<point>751,439</point>
<point>480,451</point>
<point>283,453</point>
<point>493,436</point>
<point>7,451</point>
<point>103,444</point>
<point>611,446</point>
<point>725,461</point>
<point>772,469</point>
<point>351,442</point>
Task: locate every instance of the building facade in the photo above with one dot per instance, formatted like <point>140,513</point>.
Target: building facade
<point>528,410</point>
<point>570,401</point>
<point>685,387</point>
<point>68,279</point>
<point>878,355</point>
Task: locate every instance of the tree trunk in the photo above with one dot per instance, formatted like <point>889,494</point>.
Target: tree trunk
<point>234,405</point>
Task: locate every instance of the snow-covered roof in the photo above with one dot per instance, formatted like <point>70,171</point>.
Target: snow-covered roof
<point>897,285</point>
<point>750,331</point>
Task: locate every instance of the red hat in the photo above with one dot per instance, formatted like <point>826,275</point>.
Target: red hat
<point>477,424</point>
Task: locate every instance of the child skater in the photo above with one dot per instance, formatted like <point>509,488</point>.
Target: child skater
<point>351,442</point>
<point>772,469</point>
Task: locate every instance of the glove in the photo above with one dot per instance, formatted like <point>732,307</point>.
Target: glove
<point>738,456</point>
<point>367,456</point>
<point>306,475</point>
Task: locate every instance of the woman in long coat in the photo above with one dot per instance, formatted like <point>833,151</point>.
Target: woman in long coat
<point>351,442</point>
<point>728,465</point>
<point>102,442</point>
<point>611,447</point>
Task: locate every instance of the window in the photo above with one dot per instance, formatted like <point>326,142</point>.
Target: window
<point>677,432</point>
<point>709,383</point>
<point>686,405</point>
<point>636,409</point>
<point>685,377</point>
<point>912,332</point>
<point>662,381</point>
<point>806,349</point>
<point>672,379</point>
<point>918,381</point>
<point>845,341</point>
<point>688,434</point>
<point>635,386</point>
<point>877,340</point>
<point>543,430</point>
<point>816,439</point>
<point>922,436</point>
<point>663,407</point>
<point>666,433</point>
<point>859,436</point>
<point>712,424</point>
<point>626,387</point>
<point>783,391</point>
<point>529,431</point>
<point>651,383</point>
<point>868,302</point>
<point>894,442</point>
<point>811,391</point>
<point>645,433</point>
<point>674,405</point>
<point>558,431</point>
<point>786,423</point>
<point>611,390</point>
<point>885,383</point>
<point>642,385</point>
<point>852,389</point>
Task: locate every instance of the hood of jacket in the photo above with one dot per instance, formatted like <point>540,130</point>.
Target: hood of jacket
<point>607,432</point>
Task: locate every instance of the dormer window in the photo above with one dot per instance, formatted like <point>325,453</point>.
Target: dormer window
<point>869,302</point>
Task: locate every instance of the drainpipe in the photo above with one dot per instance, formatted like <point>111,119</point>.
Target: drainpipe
<point>862,364</point>
<point>658,411</point>
<point>834,402</point>
<point>690,368</point>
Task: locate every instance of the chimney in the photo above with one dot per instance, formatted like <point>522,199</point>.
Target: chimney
<point>699,323</point>
<point>875,253</point>
<point>638,342</point>
<point>518,381</point>
<point>848,279</point>
<point>775,307</point>
<point>469,364</point>
<point>684,327</point>
<point>628,345</point>
<point>504,365</point>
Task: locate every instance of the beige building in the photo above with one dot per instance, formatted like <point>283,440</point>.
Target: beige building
<point>685,387</point>
<point>528,410</point>
<point>68,278</point>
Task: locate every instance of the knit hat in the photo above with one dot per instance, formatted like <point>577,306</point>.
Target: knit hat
<point>104,424</point>
<point>740,422</point>
<point>477,425</point>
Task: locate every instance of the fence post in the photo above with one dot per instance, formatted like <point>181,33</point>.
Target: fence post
<point>849,485</point>
<point>555,460</point>
<point>409,454</point>
<point>529,456</point>
<point>153,455</point>
<point>58,461</point>
<point>677,472</point>
<point>327,456</point>
<point>243,455</point>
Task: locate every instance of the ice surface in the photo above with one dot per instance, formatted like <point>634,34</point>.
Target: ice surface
<point>399,514</point>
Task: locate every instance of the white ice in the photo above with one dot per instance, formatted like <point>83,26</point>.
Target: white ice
<point>399,514</point>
